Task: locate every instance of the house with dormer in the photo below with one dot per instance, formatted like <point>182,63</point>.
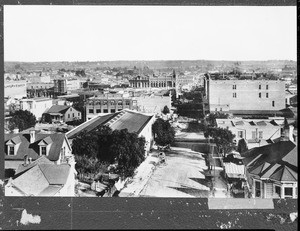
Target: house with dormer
<point>272,170</point>
<point>34,144</point>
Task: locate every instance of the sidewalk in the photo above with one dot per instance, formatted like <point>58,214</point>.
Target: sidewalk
<point>143,173</point>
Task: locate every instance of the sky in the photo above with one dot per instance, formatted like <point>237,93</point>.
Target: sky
<point>105,33</point>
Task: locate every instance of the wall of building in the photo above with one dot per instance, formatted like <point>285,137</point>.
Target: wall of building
<point>147,133</point>
<point>15,89</point>
<point>246,94</point>
<point>72,114</point>
<point>36,106</point>
<point>98,106</point>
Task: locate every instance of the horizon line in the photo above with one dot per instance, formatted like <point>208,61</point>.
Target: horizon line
<point>151,60</point>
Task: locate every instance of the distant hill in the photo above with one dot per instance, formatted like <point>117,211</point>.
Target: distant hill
<point>203,65</point>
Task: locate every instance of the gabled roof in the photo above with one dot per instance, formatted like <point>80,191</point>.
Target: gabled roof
<point>58,109</point>
<point>276,161</point>
<point>42,160</point>
<point>132,121</point>
<point>32,150</point>
<point>126,119</point>
<point>42,179</point>
<point>90,125</point>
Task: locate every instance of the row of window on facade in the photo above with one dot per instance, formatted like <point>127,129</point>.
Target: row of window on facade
<point>259,87</point>
<point>112,110</point>
<point>254,134</point>
<point>234,95</point>
<point>73,115</point>
<point>279,191</point>
<point>112,102</point>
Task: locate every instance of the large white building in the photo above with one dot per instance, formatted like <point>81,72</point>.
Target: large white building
<point>245,96</point>
<point>37,106</point>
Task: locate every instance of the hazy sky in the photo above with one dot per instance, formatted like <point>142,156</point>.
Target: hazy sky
<point>98,33</point>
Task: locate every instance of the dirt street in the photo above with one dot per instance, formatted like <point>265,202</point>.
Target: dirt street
<point>181,176</point>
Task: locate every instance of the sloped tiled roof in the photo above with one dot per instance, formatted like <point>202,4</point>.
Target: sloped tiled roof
<point>90,125</point>
<point>58,109</point>
<point>42,160</point>
<point>55,174</point>
<point>32,150</point>
<point>284,174</point>
<point>277,161</point>
<point>42,179</point>
<point>132,121</point>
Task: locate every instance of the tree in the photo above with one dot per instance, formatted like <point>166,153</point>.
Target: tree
<point>223,138</point>
<point>242,146</point>
<point>164,134</point>
<point>128,150</point>
<point>166,110</point>
<point>107,146</point>
<point>22,120</point>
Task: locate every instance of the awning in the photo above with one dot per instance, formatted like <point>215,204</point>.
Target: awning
<point>234,170</point>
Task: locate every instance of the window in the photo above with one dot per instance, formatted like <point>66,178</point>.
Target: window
<point>277,191</point>
<point>105,102</point>
<point>73,114</point>
<point>240,134</point>
<point>43,150</point>
<point>91,110</point>
<point>105,111</point>
<point>288,192</point>
<point>267,87</point>
<point>120,103</point>
<point>260,134</point>
<point>234,87</point>
<point>112,110</point>
<point>234,95</point>
<point>267,95</point>
<point>127,103</point>
<point>112,102</point>
<point>98,110</point>
<point>253,135</point>
<point>257,189</point>
<point>68,115</point>
<point>11,151</point>
<point>78,114</point>
<point>259,87</point>
<point>259,95</point>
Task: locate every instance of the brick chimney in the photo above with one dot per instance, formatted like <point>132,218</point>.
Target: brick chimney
<point>32,136</point>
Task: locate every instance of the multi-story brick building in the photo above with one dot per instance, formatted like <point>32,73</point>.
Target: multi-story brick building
<point>245,96</point>
<point>110,103</point>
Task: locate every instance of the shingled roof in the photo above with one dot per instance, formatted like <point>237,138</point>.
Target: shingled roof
<point>277,161</point>
<point>32,149</point>
<point>58,109</point>
<point>42,179</point>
